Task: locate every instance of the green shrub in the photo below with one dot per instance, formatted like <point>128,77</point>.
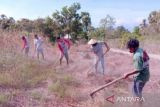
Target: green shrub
<point>127,36</point>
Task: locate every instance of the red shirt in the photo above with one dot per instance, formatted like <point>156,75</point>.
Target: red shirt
<point>63,44</point>
<point>24,43</point>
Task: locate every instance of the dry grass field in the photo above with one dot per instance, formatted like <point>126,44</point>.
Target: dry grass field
<point>28,82</point>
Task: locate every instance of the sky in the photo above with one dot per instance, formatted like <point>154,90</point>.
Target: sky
<point>128,13</point>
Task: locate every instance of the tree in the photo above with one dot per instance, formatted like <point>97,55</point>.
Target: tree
<point>154,20</point>
<point>136,31</point>
<point>128,35</point>
<point>25,24</point>
<point>107,25</point>
<point>39,24</point>
<point>119,31</point>
<point>7,23</point>
<point>71,22</point>
<point>3,17</point>
<point>97,33</point>
<point>154,17</point>
<point>144,23</point>
<point>108,22</point>
<point>86,21</point>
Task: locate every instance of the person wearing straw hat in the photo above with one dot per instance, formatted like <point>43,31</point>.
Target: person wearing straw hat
<point>97,48</point>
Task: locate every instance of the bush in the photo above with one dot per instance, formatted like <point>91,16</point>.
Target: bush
<point>98,34</point>
<point>127,36</point>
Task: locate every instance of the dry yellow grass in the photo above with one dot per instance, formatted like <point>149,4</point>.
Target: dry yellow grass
<point>26,80</point>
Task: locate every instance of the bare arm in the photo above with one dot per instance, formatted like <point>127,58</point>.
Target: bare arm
<point>107,47</point>
<point>131,73</point>
<point>34,45</point>
<point>23,45</point>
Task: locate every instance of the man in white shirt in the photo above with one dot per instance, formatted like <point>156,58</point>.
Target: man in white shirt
<point>97,48</point>
<point>38,46</point>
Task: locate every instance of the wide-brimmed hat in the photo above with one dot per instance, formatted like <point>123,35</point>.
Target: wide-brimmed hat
<point>92,41</point>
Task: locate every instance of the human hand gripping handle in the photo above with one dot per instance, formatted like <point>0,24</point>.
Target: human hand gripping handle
<point>106,51</point>
<point>125,76</point>
<point>105,85</point>
<point>130,73</point>
<point>107,47</point>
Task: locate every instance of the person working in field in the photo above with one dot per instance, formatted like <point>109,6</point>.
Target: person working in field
<point>97,48</point>
<point>25,46</point>
<point>64,46</point>
<point>38,46</point>
<point>141,66</point>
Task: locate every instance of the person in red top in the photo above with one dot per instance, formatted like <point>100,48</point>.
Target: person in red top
<point>25,45</point>
<point>64,46</point>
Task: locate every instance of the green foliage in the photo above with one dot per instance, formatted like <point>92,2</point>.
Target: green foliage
<point>127,36</point>
<point>136,31</point>
<point>86,21</point>
<point>39,25</point>
<point>98,34</point>
<point>25,25</point>
<point>68,21</point>
<point>107,25</point>
<point>71,22</point>
<point>119,31</point>
<point>107,22</point>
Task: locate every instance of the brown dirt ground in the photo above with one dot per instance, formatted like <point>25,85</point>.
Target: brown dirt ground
<point>116,65</point>
<point>80,67</point>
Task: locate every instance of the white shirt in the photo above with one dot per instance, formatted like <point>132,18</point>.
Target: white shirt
<point>98,49</point>
<point>38,43</point>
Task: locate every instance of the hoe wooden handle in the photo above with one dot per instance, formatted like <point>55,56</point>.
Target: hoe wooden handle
<point>104,86</point>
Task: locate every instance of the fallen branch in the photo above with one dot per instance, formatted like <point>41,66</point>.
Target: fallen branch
<point>106,85</point>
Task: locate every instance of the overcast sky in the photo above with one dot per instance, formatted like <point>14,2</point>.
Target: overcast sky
<point>126,12</point>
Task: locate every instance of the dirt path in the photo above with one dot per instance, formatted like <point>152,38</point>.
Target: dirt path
<point>154,56</point>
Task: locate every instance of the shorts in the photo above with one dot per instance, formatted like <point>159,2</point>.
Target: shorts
<point>100,59</point>
<point>26,50</point>
<point>39,51</point>
<point>138,87</point>
<point>65,55</point>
